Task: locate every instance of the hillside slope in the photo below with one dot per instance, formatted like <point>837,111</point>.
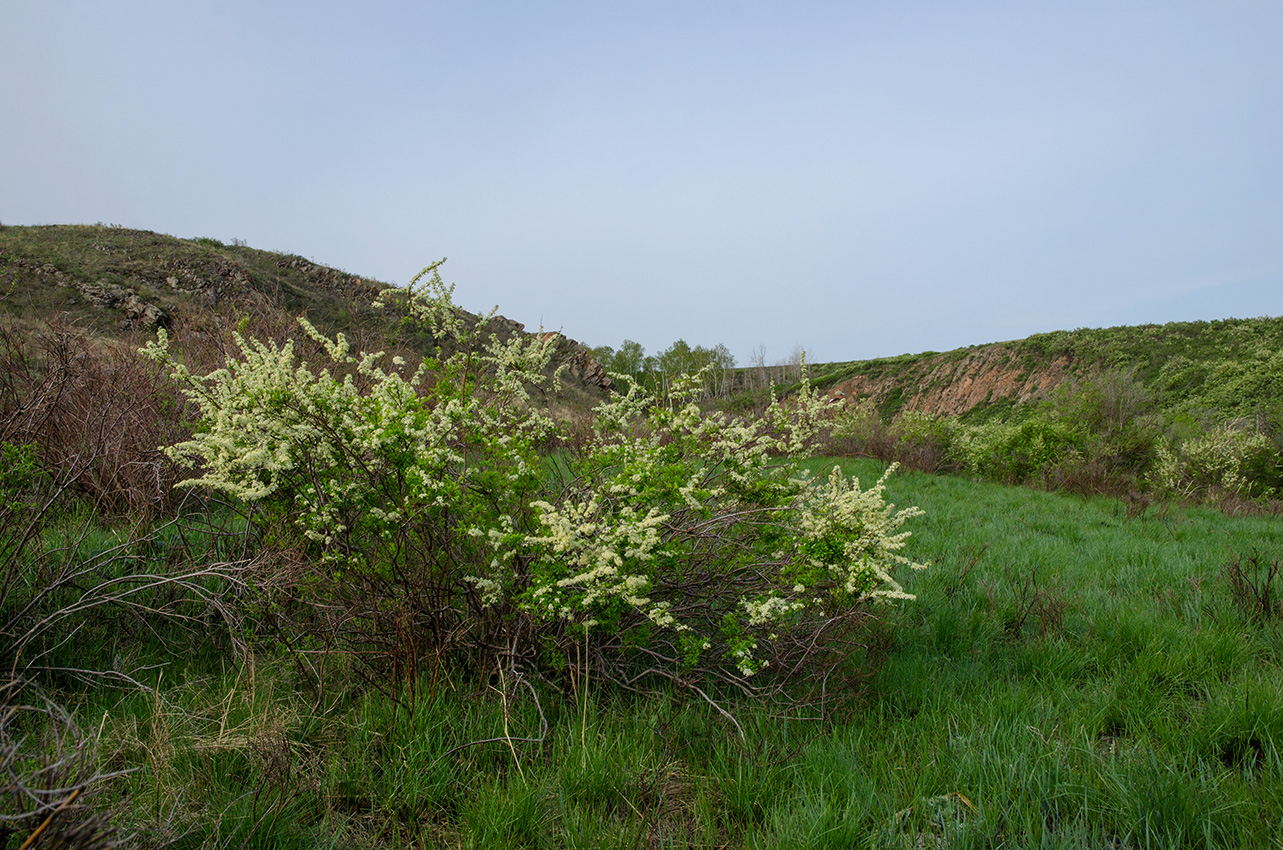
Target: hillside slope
<point>1225,367</point>
<point>119,283</point>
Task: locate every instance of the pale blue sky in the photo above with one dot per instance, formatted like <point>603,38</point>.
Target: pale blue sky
<point>863,179</point>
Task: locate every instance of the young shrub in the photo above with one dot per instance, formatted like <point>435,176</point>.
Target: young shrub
<point>1256,587</point>
<point>1015,453</point>
<point>690,549</point>
<point>1116,432</point>
<point>858,431</point>
<point>927,442</point>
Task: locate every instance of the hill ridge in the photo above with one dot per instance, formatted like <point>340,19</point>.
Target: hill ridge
<point>118,281</point>
<point>115,282</point>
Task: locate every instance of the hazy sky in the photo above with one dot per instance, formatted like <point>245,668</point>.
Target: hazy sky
<point>863,179</point>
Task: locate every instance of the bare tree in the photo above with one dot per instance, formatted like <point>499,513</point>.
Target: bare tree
<point>757,361</point>
<point>797,357</point>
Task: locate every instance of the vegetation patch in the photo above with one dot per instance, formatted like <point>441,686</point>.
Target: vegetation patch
<point>419,598</point>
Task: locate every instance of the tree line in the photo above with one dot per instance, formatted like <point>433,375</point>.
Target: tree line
<point>721,375</point>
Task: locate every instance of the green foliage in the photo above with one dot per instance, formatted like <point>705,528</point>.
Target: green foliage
<point>1016,453</point>
<point>678,538</point>
<point>1099,433</point>
<point>1114,417</point>
<point>18,474</point>
<point>21,503</point>
<point>630,359</point>
<point>657,373</point>
<point>1232,458</point>
<point>1129,387</point>
<point>1071,676</point>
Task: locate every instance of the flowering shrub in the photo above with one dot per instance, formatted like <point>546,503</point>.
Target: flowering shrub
<point>698,543</point>
<point>674,542</point>
<point>1237,460</point>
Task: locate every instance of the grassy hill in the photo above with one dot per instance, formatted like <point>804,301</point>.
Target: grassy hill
<point>117,283</point>
<point>1217,368</point>
<point>114,280</point>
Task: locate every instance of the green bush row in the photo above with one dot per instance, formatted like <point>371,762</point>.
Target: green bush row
<point>1102,434</point>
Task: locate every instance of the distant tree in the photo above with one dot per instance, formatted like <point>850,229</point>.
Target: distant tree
<point>657,371</point>
<point>677,359</point>
<point>796,358</point>
<point>720,362</point>
<point>605,355</point>
<point>630,359</point>
<point>665,365</point>
<point>722,357</point>
<point>757,362</point>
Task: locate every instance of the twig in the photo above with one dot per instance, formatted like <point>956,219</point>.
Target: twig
<point>65,803</point>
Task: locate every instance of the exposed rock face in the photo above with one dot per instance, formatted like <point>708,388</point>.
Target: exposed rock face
<point>504,325</point>
<point>949,385</point>
<point>138,312</point>
<point>579,361</point>
<point>585,368</point>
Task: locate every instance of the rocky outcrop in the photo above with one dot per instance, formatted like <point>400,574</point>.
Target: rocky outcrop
<point>957,382</point>
<point>584,367</point>
<point>579,362</point>
<point>114,279</point>
<point>139,313</point>
<point>338,284</point>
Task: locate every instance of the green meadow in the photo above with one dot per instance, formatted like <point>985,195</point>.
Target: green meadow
<point>369,635</point>
<point>1071,674</point>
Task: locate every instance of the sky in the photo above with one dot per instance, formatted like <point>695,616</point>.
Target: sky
<point>859,179</point>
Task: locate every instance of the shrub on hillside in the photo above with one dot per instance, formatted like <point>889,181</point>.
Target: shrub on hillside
<point>430,528</point>
<point>857,430</point>
<point>1017,453</point>
<point>1112,415</point>
<point>927,442</point>
<point>1234,458</point>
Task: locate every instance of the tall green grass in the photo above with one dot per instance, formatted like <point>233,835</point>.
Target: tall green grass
<point>1071,675</point>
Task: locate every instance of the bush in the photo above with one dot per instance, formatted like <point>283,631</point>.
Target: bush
<point>93,413</point>
<point>1233,459</point>
<point>430,528</point>
<point>1016,453</point>
<point>1256,586</point>
<point>858,431</point>
<point>1112,416</point>
<point>927,442</point>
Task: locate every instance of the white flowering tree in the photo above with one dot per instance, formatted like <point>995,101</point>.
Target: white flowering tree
<point>433,524</point>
